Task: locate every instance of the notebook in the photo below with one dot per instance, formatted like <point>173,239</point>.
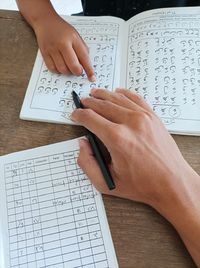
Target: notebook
<point>51,215</point>
<point>156,53</point>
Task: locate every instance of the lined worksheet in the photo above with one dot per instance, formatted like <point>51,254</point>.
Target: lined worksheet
<point>53,216</point>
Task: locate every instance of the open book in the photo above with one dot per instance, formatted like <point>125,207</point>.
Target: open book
<point>51,215</point>
<point>156,53</point>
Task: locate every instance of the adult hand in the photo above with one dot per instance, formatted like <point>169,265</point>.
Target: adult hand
<point>145,158</point>
<point>146,163</point>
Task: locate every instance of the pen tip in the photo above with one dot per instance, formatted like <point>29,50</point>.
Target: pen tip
<point>74,93</point>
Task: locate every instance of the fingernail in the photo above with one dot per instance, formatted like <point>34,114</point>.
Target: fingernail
<point>93,78</point>
<point>81,143</point>
<point>92,91</point>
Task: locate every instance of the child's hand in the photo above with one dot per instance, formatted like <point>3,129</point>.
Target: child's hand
<point>62,48</point>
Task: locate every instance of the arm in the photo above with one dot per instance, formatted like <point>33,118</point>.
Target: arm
<point>61,46</point>
<point>146,165</point>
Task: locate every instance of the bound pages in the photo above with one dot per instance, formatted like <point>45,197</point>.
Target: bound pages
<point>155,53</point>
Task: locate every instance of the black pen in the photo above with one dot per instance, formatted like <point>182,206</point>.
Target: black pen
<point>96,150</point>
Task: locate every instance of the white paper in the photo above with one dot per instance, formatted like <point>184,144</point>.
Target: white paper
<point>164,65</point>
<point>51,215</point>
<point>156,53</point>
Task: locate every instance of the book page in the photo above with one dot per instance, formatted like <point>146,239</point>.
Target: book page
<point>48,97</point>
<point>164,65</point>
<point>51,215</point>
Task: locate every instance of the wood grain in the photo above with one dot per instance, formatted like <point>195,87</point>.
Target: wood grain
<point>142,238</point>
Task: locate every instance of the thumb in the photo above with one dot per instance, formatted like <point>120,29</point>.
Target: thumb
<point>89,165</point>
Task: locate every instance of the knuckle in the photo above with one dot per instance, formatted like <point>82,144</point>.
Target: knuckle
<point>62,44</point>
<point>62,69</point>
<point>147,116</point>
<point>117,135</point>
<point>44,49</point>
<point>104,104</point>
<point>50,49</point>
<point>119,96</point>
<point>122,140</point>
<point>138,99</point>
<point>62,47</point>
<point>75,35</point>
<point>84,114</point>
<point>52,68</point>
<point>88,69</point>
<point>76,69</point>
<point>144,119</point>
<point>99,91</point>
<point>129,116</point>
<point>85,53</point>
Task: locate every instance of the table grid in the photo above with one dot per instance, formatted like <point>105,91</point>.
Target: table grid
<point>52,214</point>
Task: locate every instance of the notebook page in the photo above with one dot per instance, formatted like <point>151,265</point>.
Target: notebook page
<point>52,215</point>
<point>48,96</point>
<point>164,65</point>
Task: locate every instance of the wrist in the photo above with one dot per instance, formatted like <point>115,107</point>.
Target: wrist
<point>37,12</point>
<point>180,205</point>
<point>43,21</point>
<point>180,195</point>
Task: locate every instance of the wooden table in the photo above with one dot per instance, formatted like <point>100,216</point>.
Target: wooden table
<point>142,238</point>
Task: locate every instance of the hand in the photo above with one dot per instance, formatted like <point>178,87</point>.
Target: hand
<point>62,48</point>
<point>146,161</point>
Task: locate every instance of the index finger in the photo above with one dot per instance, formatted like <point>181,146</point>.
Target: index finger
<point>71,60</point>
<point>84,58</point>
<point>100,126</point>
<point>135,98</point>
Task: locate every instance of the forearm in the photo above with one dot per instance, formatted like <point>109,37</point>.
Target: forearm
<point>61,46</point>
<point>36,11</point>
<point>182,209</point>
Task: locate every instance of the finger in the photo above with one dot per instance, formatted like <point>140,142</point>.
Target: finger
<point>111,111</point>
<point>60,63</point>
<point>117,98</point>
<point>71,60</point>
<point>49,63</point>
<point>90,166</point>
<point>83,56</point>
<point>100,126</point>
<point>134,97</point>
